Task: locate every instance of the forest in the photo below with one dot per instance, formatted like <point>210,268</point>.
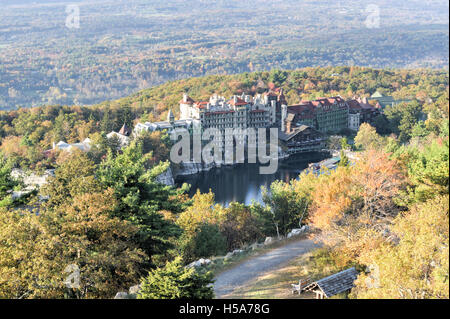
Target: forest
<point>121,47</point>
<point>104,213</point>
<point>27,132</point>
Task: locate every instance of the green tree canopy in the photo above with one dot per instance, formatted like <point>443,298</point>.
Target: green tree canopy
<point>175,281</point>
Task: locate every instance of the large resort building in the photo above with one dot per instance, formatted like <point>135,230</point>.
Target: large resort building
<point>302,127</point>
<point>327,115</point>
<point>242,111</point>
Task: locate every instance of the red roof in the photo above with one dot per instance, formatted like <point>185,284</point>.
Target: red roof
<point>304,110</point>
<point>201,104</point>
<point>358,104</point>
<point>237,102</point>
<point>323,101</point>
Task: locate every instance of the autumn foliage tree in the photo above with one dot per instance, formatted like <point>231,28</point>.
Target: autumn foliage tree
<point>355,203</point>
<point>77,237</point>
<point>413,263</point>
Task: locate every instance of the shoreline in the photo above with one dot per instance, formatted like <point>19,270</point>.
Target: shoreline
<point>191,169</point>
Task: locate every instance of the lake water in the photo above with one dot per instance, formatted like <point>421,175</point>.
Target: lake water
<point>242,183</point>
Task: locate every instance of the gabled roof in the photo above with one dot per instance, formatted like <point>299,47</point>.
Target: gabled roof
<point>335,284</point>
<point>377,94</point>
<point>125,130</point>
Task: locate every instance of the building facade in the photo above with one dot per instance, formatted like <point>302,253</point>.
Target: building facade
<point>301,139</point>
<point>385,101</point>
<point>360,111</point>
<point>333,114</point>
<point>242,111</point>
<point>327,115</point>
<point>238,112</point>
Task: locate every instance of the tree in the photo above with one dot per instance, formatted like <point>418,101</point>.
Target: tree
<point>18,267</point>
<point>428,170</point>
<point>6,182</point>
<point>344,161</point>
<point>413,261</point>
<point>344,144</point>
<point>174,281</point>
<point>381,124</point>
<point>157,143</point>
<point>287,208</point>
<point>209,241</point>
<point>356,203</point>
<point>73,177</point>
<point>411,114</point>
<point>106,124</point>
<point>101,146</point>
<point>141,200</point>
<point>278,77</point>
<point>39,253</point>
<point>239,225</point>
<point>203,211</point>
<point>368,138</point>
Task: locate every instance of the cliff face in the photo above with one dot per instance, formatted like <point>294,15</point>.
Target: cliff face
<point>186,169</point>
<point>166,178</point>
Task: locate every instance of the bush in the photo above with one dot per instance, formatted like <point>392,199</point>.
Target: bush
<point>175,281</point>
<point>209,241</point>
<point>205,241</point>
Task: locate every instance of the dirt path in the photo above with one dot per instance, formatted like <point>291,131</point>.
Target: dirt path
<point>236,277</point>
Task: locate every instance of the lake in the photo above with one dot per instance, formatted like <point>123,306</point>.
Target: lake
<point>242,183</point>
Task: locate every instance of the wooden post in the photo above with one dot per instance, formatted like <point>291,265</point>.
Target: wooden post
<point>319,294</point>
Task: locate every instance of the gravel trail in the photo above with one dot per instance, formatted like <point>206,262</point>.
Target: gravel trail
<point>229,280</point>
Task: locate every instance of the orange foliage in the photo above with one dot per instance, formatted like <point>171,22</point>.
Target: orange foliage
<point>353,205</point>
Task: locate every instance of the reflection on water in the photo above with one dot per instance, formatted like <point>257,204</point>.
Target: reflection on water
<point>242,183</point>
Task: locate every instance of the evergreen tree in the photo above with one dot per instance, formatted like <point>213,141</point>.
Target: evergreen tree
<point>141,199</point>
<point>174,281</point>
<point>6,182</point>
<point>106,124</point>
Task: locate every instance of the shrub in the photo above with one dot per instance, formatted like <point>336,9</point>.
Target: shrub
<point>174,281</point>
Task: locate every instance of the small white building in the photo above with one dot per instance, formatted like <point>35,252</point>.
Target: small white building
<point>84,146</point>
<point>169,125</point>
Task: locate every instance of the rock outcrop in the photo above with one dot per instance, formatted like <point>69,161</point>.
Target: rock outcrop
<point>298,231</point>
<point>166,178</point>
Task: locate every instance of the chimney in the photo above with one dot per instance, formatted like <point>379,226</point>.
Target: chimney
<point>288,127</point>
<point>185,97</point>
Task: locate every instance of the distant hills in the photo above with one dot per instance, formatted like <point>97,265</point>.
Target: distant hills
<point>124,46</point>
